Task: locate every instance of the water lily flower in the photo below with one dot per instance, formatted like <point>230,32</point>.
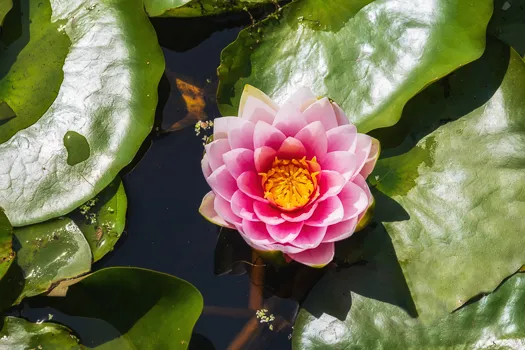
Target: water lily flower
<point>289,178</point>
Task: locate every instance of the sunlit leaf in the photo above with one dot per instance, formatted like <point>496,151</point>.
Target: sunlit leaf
<point>197,8</point>
<point>6,246</point>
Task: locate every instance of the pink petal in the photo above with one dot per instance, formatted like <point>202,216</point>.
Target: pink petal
<point>328,212</point>
<point>285,232</point>
<point>291,148</point>
<point>340,231</point>
<point>310,237</point>
<point>242,206</point>
<point>260,247</point>
<point>223,208</point>
<point>222,183</point>
<point>285,248</point>
<point>205,165</point>
<point>222,126</point>
<point>267,135</point>
<point>238,161</point>
<point>215,150</point>
<point>362,150</point>
<point>344,163</point>
<point>330,184</point>
<point>321,111</point>
<point>313,138</point>
<point>207,210</point>
<point>256,110</point>
<point>241,134</point>
<point>317,257</point>
<point>342,138</point>
<point>354,200</point>
<point>264,157</point>
<point>361,182</point>
<point>253,99</point>
<point>302,98</point>
<point>289,120</point>
<point>267,214</point>
<point>372,158</point>
<point>300,214</point>
<point>250,183</point>
<point>342,119</point>
<point>256,231</point>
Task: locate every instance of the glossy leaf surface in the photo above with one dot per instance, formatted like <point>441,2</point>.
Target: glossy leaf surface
<point>197,8</point>
<point>143,309</point>
<point>19,334</point>
<point>494,322</point>
<point>371,57</point>
<point>6,244</point>
<point>109,102</point>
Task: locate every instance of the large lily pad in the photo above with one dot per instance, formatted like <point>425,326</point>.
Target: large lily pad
<point>103,111</point>
<point>196,8</point>
<point>5,7</point>
<point>132,308</point>
<point>460,184</point>
<point>508,23</point>
<point>6,244</point>
<point>369,56</point>
<point>19,334</point>
<point>496,321</point>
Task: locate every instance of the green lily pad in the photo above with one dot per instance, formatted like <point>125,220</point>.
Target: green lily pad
<point>103,218</point>
<point>508,23</point>
<point>136,308</point>
<point>108,96</point>
<point>19,334</point>
<point>6,244</point>
<point>5,7</point>
<point>458,175</point>
<point>496,321</point>
<point>371,57</point>
<point>48,253</point>
<point>197,8</point>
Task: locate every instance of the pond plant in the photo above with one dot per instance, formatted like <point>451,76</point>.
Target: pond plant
<point>368,163</point>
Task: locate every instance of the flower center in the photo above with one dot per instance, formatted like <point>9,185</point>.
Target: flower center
<point>289,183</point>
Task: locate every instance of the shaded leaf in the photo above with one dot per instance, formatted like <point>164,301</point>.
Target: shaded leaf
<point>19,334</point>
<point>108,96</point>
<point>6,244</point>
<point>197,8</point>
<point>508,23</point>
<point>371,57</point>
<point>5,6</point>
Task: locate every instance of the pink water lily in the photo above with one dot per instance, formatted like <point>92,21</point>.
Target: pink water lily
<point>289,178</point>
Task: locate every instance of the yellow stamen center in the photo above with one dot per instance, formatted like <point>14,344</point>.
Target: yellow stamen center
<point>289,182</point>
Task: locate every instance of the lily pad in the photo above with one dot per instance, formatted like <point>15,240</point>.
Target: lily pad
<point>6,244</point>
<point>496,321</point>
<point>5,7</point>
<point>132,308</point>
<point>458,175</point>
<point>19,334</point>
<point>103,218</point>
<point>371,57</point>
<point>508,23</point>
<point>197,8</point>
<point>108,95</point>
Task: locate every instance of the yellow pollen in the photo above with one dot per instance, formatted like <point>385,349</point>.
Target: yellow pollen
<point>289,183</point>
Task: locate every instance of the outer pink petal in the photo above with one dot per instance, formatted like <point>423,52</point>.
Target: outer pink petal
<point>267,214</point>
<point>342,138</point>
<point>328,212</point>
<point>241,134</point>
<point>250,183</point>
<point>256,110</point>
<point>300,214</point>
<point>361,182</point>
<point>340,231</point>
<point>302,98</point>
<point>291,148</point>
<point>264,157</point>
<point>342,119</point>
<point>222,126</point>
<point>317,257</point>
<point>267,135</point>
<point>362,150</point>
<point>238,161</point>
<point>205,165</point>
<point>223,208</point>
<point>242,206</point>
<point>344,163</point>
<point>285,232</point>
<point>252,92</point>
<point>208,211</point>
<point>313,138</point>
<point>215,151</point>
<point>321,111</point>
<point>222,183</point>
<point>354,199</point>
<point>285,248</point>
<point>330,184</point>
<point>372,158</point>
<point>289,120</point>
<point>310,237</point>
<point>256,231</point>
